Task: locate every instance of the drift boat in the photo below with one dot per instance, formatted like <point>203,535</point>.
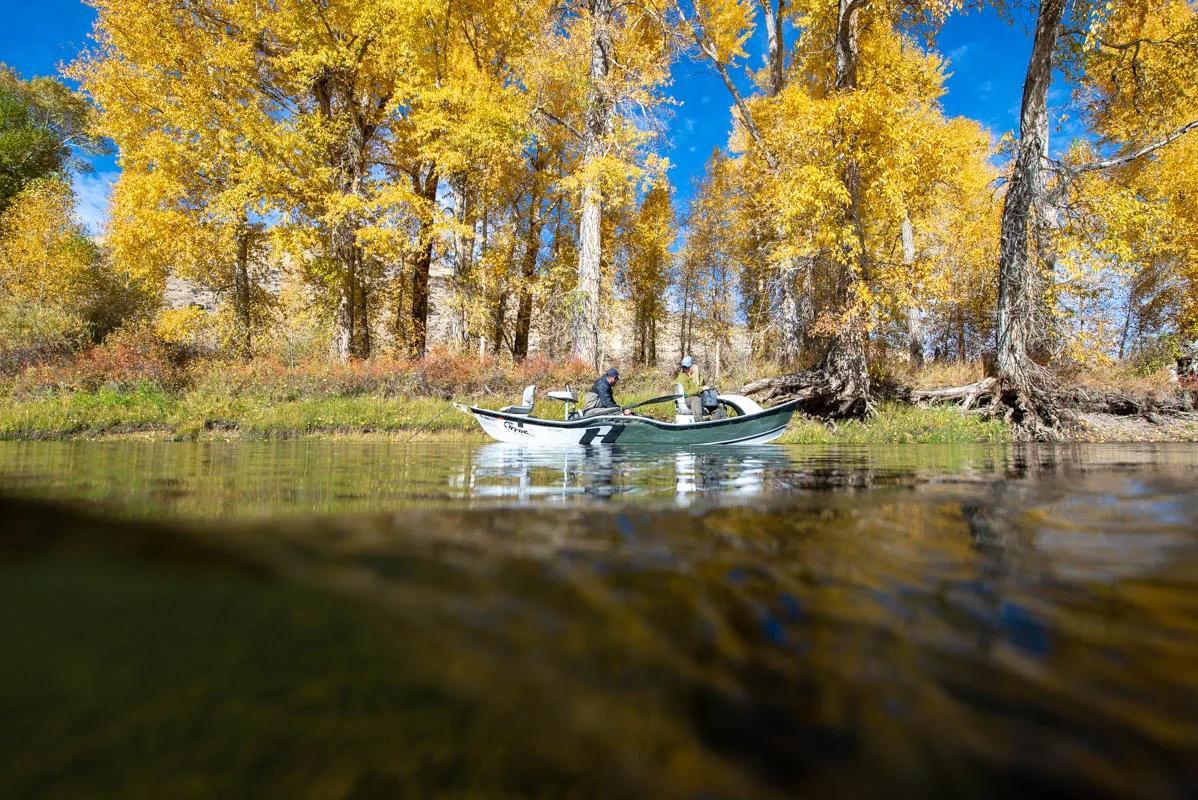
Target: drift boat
<point>746,423</point>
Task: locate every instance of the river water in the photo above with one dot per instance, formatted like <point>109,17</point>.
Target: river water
<point>313,619</point>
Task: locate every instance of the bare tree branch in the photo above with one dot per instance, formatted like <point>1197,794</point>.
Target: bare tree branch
<point>708,49</point>
<point>1111,163</point>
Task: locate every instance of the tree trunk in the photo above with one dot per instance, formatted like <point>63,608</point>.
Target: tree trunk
<point>775,52</point>
<point>796,313</point>
<point>528,268</point>
<point>598,128</point>
<point>962,350</point>
<point>1018,283</point>
<point>653,340</point>
<point>915,332</point>
<point>422,265</point>
<point>348,159</point>
<point>845,363</point>
<point>498,317</point>
<point>361,341</point>
<point>792,323</point>
<point>463,255</point>
<point>399,323</point>
<point>345,252</point>
<point>1128,311</point>
<point>241,293</point>
<point>684,322</point>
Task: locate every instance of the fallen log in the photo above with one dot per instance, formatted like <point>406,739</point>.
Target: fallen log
<point>967,394</point>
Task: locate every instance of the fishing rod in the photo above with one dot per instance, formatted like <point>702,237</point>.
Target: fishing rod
<point>428,424</point>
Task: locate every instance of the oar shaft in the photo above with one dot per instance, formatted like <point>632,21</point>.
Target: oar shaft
<point>663,399</point>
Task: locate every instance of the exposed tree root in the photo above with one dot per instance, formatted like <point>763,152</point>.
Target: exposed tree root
<point>1051,413</point>
<point>1043,413</point>
<point>1124,404</point>
<point>820,395</point>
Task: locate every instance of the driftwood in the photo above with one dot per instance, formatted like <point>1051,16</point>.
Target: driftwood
<point>967,395</point>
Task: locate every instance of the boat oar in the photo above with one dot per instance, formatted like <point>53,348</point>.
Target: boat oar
<point>663,399</point>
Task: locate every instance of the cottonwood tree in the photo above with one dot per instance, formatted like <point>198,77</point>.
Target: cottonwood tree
<point>835,147</point>
<point>646,272</point>
<point>627,64</point>
<point>178,102</point>
<point>55,284</point>
<point>44,132</point>
<point>340,122</point>
<point>1137,110</point>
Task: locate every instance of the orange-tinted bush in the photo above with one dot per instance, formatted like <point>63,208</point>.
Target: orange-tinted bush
<point>127,357</point>
<point>137,355</point>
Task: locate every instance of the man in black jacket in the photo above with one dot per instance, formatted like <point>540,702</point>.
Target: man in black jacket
<point>599,399</point>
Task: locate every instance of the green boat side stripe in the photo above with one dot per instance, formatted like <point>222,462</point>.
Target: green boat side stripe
<point>589,422</point>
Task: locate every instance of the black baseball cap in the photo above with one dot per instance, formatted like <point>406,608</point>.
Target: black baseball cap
<point>613,373</point>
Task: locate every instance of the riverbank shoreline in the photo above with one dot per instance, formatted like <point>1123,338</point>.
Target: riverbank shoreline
<point>147,412</point>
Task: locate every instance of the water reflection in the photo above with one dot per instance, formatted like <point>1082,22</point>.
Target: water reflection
<point>515,472</point>
<point>497,622</point>
<point>265,479</point>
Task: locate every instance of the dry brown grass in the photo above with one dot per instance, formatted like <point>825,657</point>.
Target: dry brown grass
<point>1123,378</point>
<point>947,373</point>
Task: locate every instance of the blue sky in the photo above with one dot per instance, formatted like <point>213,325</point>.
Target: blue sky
<point>987,57</point>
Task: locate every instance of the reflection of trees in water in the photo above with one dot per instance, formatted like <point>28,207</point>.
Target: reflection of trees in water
<point>207,480</point>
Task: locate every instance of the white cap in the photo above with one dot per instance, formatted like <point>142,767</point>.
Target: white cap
<point>687,362</point>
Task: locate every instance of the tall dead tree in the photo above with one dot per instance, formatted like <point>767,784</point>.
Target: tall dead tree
<point>1019,287</point>
<point>590,235</point>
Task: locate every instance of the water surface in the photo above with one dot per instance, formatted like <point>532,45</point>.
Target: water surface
<point>374,620</point>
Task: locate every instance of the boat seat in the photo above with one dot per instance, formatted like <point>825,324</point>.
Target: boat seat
<point>525,408</point>
<point>682,409</point>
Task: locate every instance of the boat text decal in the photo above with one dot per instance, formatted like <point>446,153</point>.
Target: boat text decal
<point>609,434</point>
<point>516,428</point>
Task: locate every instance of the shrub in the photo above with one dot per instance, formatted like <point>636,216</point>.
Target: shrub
<point>35,333</point>
<point>131,356</point>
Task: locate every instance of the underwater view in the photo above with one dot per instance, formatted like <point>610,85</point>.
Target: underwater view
<point>333,619</point>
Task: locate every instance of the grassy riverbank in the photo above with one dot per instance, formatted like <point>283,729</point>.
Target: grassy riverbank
<point>147,410</point>
<point>127,388</point>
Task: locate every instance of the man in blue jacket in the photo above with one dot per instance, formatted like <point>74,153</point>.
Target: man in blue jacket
<point>599,399</point>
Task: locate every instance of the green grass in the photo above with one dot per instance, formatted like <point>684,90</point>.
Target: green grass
<point>149,410</point>
<point>901,424</point>
<point>198,414</point>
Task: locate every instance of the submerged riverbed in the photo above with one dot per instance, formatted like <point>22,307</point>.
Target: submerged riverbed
<point>458,620</point>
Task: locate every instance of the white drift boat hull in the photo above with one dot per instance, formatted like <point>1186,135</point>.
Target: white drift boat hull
<point>752,425</point>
